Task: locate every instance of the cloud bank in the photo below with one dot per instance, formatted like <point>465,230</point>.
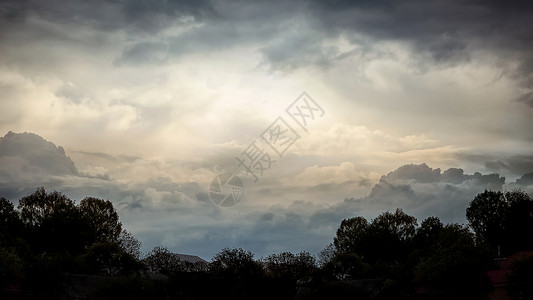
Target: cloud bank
<point>162,210</point>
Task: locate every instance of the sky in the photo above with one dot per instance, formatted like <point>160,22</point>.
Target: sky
<point>413,104</point>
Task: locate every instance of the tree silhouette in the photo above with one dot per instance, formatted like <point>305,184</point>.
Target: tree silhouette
<point>161,260</point>
<point>130,244</point>
<point>52,223</point>
<point>289,265</point>
<point>109,257</point>
<point>351,235</point>
<point>447,257</point>
<point>326,254</point>
<point>101,218</point>
<point>235,262</point>
<point>390,236</point>
<point>502,220</point>
<point>10,224</point>
<point>387,238</point>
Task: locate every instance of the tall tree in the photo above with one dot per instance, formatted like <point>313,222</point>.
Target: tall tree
<point>427,235</point>
<point>519,225</point>
<point>504,221</point>
<point>102,219</point>
<point>130,244</point>
<point>390,236</point>
<point>450,259</point>
<point>52,222</point>
<point>326,254</point>
<point>487,215</point>
<point>351,235</point>
<point>387,238</point>
<point>10,224</point>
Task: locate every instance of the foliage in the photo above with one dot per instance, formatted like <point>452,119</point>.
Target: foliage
<point>390,236</point>
<point>449,258</point>
<point>101,218</point>
<point>235,262</point>
<point>49,236</point>
<point>10,266</point>
<point>289,265</point>
<point>502,220</point>
<point>10,224</point>
<point>351,235</point>
<point>326,254</point>
<point>161,260</point>
<point>52,223</point>
<point>344,265</point>
<point>110,258</point>
<point>387,238</point>
<point>130,244</point>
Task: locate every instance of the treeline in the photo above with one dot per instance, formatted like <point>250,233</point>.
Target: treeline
<point>49,240</point>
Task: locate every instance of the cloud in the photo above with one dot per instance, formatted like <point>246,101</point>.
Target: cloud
<point>40,155</point>
<point>526,98</point>
<point>515,165</point>
<point>424,191</point>
<point>152,99</point>
<point>447,32</point>
<point>161,207</point>
<point>525,180</point>
<point>524,183</point>
<point>108,15</point>
<point>306,33</point>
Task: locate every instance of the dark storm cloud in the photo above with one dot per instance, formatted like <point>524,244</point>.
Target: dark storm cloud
<point>424,174</point>
<point>134,15</point>
<point>296,34</point>
<point>525,180</point>
<point>144,53</point>
<point>36,152</point>
<point>443,28</point>
<point>28,161</point>
<point>514,164</point>
<point>526,99</point>
<point>423,191</point>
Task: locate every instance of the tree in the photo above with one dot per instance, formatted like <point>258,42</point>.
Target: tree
<point>10,224</point>
<point>289,265</point>
<point>102,219</point>
<point>10,267</point>
<point>429,228</point>
<point>235,262</point>
<point>519,225</point>
<point>450,259</point>
<point>387,238</point>
<point>427,235</point>
<point>344,264</point>
<point>111,258</point>
<point>161,260</point>
<point>390,236</point>
<point>326,254</point>
<point>487,215</point>
<point>130,244</point>
<point>351,235</point>
<point>53,223</point>
<point>502,220</point>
